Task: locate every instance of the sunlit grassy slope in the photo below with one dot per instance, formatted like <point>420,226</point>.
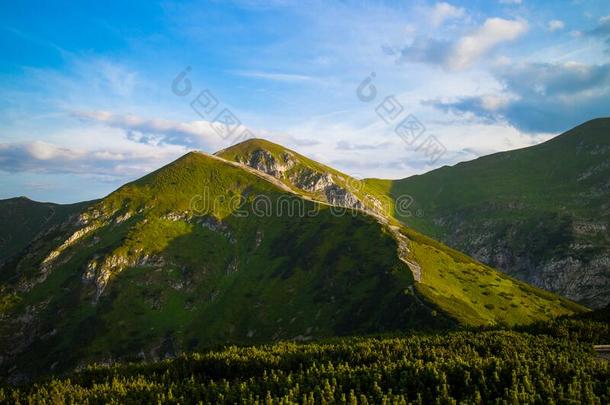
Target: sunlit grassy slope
<point>524,209</point>
<point>184,259</point>
<point>300,167</point>
<point>554,176</point>
<point>473,293</point>
<point>476,294</point>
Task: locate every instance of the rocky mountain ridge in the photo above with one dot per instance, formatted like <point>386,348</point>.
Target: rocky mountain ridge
<point>146,273</point>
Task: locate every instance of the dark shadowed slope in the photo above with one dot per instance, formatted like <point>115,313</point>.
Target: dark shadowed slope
<point>22,220</point>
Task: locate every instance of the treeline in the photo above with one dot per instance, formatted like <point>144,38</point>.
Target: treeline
<point>545,364</point>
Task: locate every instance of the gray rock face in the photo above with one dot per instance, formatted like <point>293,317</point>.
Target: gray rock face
<point>586,282</point>
<point>338,196</point>
<point>99,271</point>
<point>217,226</point>
<point>264,161</point>
<point>573,268</point>
<point>311,181</point>
<point>323,184</point>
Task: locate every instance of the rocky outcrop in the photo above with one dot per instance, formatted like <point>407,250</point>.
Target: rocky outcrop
<point>403,252</point>
<point>587,282</point>
<point>340,197</point>
<point>287,168</point>
<point>572,264</point>
<point>311,181</point>
<point>217,226</point>
<point>265,162</point>
<point>79,234</point>
<point>100,270</point>
<point>176,216</point>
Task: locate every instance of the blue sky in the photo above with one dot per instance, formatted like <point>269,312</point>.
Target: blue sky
<point>91,98</point>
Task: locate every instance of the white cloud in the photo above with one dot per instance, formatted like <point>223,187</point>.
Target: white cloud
<point>347,145</point>
<point>88,79</point>
<point>511,1</point>
<point>555,25</point>
<point>44,157</point>
<point>462,53</point>
<point>493,102</point>
<point>442,12</point>
<point>541,97</point>
<point>493,32</point>
<point>502,60</point>
<point>46,151</point>
<point>157,131</point>
<point>118,78</point>
<point>274,76</point>
<point>602,30</point>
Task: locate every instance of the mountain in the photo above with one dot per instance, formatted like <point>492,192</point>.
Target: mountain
<point>303,175</point>
<point>540,214</point>
<point>207,251</point>
<point>22,220</point>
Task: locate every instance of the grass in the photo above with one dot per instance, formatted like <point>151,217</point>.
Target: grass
<point>303,166</point>
<point>523,205</point>
<point>22,220</point>
<point>250,280</point>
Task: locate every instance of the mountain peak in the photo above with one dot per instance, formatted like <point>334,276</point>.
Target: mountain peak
<point>252,144</point>
<point>604,121</point>
<point>302,174</point>
<point>540,213</point>
<point>258,142</point>
<point>593,131</point>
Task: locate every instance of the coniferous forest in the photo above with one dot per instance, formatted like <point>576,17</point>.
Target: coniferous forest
<point>544,363</point>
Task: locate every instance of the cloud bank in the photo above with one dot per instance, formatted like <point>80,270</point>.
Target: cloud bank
<point>462,53</point>
<point>194,134</point>
<point>542,97</point>
<point>43,157</point>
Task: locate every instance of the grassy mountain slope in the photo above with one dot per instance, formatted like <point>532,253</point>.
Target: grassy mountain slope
<point>308,177</point>
<point>541,213</point>
<point>475,294</point>
<point>203,252</point>
<point>460,285</point>
<point>22,220</point>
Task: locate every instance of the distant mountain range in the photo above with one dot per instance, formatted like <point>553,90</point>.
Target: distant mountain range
<point>259,243</point>
<point>540,214</point>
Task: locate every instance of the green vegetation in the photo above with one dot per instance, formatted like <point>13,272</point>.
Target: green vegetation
<point>526,212</point>
<point>550,178</point>
<point>299,172</point>
<point>157,275</point>
<point>470,292</point>
<point>182,260</point>
<point>546,363</point>
<point>479,295</point>
<point>22,220</point>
